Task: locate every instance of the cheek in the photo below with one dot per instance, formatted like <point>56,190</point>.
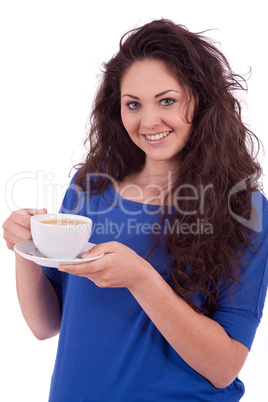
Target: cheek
<point>124,119</point>
<point>129,122</point>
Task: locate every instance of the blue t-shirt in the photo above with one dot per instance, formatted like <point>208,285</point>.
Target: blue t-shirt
<point>109,350</point>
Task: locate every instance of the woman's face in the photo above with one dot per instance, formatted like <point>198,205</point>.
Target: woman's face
<point>153,110</point>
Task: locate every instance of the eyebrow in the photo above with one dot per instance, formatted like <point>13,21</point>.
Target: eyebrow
<point>156,96</point>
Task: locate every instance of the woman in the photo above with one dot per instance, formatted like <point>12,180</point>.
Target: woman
<point>169,313</point>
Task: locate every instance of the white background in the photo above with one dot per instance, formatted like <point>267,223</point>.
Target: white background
<point>51,54</point>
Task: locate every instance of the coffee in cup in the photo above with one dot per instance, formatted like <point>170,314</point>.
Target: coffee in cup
<point>60,235</point>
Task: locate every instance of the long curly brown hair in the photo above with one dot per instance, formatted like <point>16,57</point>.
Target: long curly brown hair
<point>218,155</point>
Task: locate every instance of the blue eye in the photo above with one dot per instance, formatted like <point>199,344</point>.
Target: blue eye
<point>167,101</point>
<point>133,105</point>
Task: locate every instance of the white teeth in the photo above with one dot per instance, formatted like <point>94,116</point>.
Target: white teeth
<point>157,136</point>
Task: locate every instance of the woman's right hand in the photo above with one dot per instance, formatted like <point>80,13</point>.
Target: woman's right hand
<point>17,226</point>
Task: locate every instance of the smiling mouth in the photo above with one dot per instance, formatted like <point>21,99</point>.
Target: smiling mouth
<point>159,136</point>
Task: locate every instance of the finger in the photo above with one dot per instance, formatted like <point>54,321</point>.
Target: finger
<point>103,248</point>
<point>22,232</point>
<point>23,217</point>
<point>12,240</point>
<point>11,228</point>
<point>93,252</point>
<point>76,269</point>
<point>17,226</point>
<point>42,211</point>
<point>82,269</point>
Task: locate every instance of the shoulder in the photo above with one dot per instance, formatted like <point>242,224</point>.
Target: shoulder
<point>71,196</point>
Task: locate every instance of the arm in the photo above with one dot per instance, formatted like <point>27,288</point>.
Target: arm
<point>201,342</point>
<point>38,300</point>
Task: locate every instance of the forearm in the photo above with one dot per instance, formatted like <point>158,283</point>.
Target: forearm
<point>38,300</point>
<point>201,342</point>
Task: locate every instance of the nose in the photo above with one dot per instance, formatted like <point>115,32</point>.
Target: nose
<point>150,119</point>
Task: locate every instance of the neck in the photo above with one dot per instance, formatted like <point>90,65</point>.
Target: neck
<point>158,172</point>
<point>151,184</point>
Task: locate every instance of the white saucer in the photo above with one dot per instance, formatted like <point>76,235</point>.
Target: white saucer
<point>28,250</point>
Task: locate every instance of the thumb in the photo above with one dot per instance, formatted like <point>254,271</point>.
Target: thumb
<point>41,211</point>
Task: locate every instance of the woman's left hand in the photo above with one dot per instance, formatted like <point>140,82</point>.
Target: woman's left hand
<point>119,267</point>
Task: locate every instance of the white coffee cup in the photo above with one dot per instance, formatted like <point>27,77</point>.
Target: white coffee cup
<point>60,235</point>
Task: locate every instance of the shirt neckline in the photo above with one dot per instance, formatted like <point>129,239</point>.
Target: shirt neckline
<point>135,204</point>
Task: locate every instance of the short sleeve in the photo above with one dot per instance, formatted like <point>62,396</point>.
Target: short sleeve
<point>240,311</point>
<point>71,203</point>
